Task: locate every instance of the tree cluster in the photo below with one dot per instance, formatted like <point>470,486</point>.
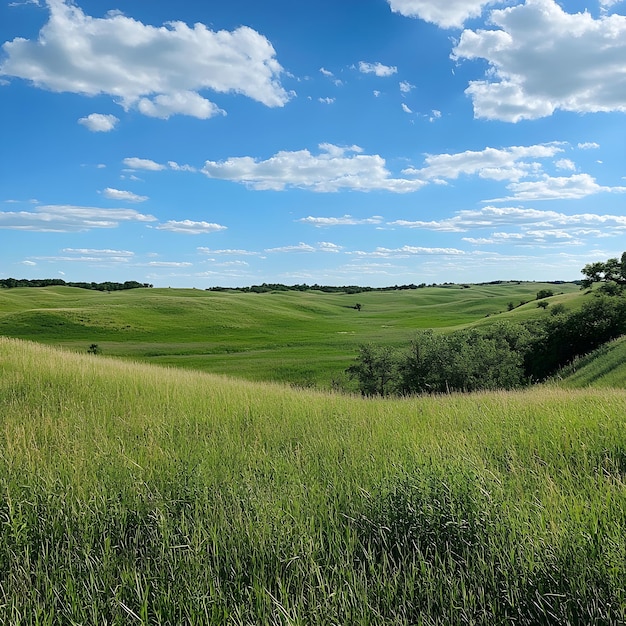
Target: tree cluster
<point>9,283</point>
<point>500,356</point>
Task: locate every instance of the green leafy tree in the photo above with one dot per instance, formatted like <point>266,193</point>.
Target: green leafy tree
<point>611,272</point>
<point>544,293</point>
<point>374,369</point>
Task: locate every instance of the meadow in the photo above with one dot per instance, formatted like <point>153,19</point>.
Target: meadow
<point>301,338</point>
<point>138,494</point>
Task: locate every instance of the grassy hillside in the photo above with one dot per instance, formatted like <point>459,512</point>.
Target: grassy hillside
<point>302,338</point>
<point>606,367</point>
<point>137,494</point>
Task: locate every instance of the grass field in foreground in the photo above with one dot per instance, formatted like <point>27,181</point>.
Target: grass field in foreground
<point>137,494</point>
<point>303,338</point>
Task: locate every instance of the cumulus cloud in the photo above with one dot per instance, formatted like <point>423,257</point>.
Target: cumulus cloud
<point>160,71</point>
<point>449,14</point>
<point>190,227</point>
<point>99,123</point>
<point>542,59</point>
<point>335,168</point>
<point>406,109</point>
<point>405,87</point>
<point>565,164</point>
<point>68,218</point>
<point>346,220</point>
<point>125,196</point>
<point>183,103</point>
<point>327,246</point>
<point>377,68</point>
<point>511,163</point>
<point>135,163</point>
<point>560,187</point>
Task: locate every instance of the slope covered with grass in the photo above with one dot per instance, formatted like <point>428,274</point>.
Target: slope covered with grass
<point>605,367</point>
<point>138,494</point>
<point>298,337</point>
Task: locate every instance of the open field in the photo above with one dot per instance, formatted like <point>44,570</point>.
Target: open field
<point>303,338</point>
<point>137,494</point>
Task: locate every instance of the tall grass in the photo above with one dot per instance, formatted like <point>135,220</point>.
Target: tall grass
<point>137,494</point>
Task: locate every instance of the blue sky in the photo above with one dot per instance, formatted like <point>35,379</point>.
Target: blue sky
<point>371,142</point>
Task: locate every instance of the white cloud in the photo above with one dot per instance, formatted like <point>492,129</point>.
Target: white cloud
<point>105,252</point>
<point>555,188</point>
<point>190,228</point>
<point>408,251</point>
<point>68,218</point>
<point>346,220</point>
<point>542,59</point>
<point>406,109</point>
<point>589,145</point>
<point>182,102</point>
<point>565,164</point>
<point>405,87</point>
<point>327,246</point>
<point>607,4</point>
<point>233,252</point>
<point>510,163</point>
<point>377,68</point>
<point>326,72</point>
<point>301,247</point>
<point>158,70</point>
<point>135,163</point>
<point>491,217</point>
<point>448,14</point>
<point>29,263</point>
<point>125,196</point>
<point>169,264</point>
<point>327,100</point>
<point>98,123</point>
<point>180,168</point>
<point>334,169</point>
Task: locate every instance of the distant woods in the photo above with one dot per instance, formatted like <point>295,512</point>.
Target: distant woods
<point>9,283</point>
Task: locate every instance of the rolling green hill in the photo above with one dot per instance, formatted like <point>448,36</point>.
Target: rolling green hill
<point>303,338</point>
<point>605,367</point>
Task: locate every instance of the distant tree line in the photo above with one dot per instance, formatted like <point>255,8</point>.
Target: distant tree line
<point>354,289</point>
<point>350,289</point>
<point>8,283</point>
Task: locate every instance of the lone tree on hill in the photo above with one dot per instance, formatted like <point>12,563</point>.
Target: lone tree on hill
<point>612,271</point>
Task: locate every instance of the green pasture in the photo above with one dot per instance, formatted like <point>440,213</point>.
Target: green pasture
<point>136,494</point>
<point>304,338</point>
